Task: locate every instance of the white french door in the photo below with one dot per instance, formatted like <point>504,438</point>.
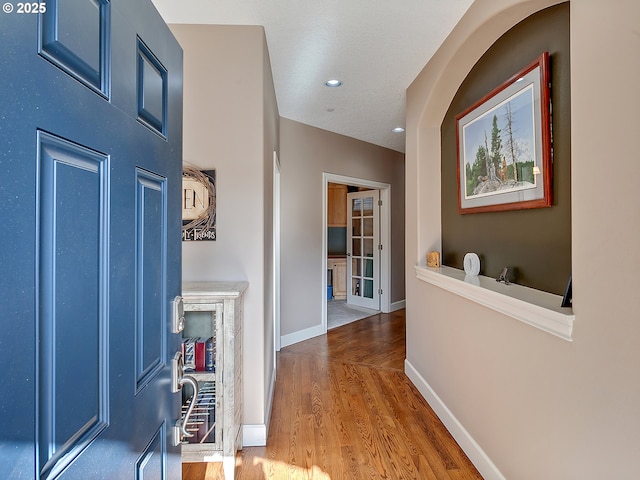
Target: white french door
<point>363,249</point>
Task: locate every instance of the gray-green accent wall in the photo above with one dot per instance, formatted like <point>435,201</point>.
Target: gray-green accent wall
<point>535,243</point>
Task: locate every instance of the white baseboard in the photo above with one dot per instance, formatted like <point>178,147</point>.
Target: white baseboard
<point>254,435</point>
<point>478,457</point>
<point>398,305</point>
<point>301,336</point>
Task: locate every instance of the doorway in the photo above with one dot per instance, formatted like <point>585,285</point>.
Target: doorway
<point>349,305</point>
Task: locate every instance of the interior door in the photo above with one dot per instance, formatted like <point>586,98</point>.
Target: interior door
<point>90,178</point>
<point>363,249</point>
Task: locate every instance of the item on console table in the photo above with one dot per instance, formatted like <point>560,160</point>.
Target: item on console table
<point>210,355</point>
<point>189,354</point>
<point>200,354</point>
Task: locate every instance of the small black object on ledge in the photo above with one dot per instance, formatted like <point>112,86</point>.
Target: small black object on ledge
<point>504,276</point>
<point>567,298</point>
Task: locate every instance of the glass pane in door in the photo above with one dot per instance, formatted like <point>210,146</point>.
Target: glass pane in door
<point>356,247</point>
<point>368,289</point>
<point>356,207</point>
<point>355,287</point>
<point>356,227</point>
<point>355,267</point>
<point>368,247</point>
<point>368,227</point>
<point>368,268</point>
<point>367,206</point>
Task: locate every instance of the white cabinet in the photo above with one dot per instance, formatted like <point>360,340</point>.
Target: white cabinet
<point>214,310</point>
<point>338,267</point>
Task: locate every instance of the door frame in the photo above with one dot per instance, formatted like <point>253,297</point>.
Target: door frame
<point>276,255</point>
<point>385,236</point>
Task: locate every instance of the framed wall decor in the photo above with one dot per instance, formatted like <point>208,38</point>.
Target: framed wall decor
<point>504,145</point>
<point>198,204</point>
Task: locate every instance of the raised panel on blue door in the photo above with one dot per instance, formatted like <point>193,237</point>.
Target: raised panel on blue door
<point>73,397</point>
<point>150,464</point>
<point>152,89</point>
<point>151,205</point>
<point>75,36</point>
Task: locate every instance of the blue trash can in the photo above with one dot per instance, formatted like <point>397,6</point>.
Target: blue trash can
<point>329,292</point>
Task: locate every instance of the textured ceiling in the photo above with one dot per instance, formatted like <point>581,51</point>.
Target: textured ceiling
<point>376,47</point>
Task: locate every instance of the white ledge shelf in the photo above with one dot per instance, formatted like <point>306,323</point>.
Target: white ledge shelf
<point>534,307</point>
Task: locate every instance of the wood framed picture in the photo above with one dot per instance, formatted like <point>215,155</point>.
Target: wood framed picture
<point>198,204</point>
<point>504,145</point>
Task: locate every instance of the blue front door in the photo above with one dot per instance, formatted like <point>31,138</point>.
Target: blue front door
<point>90,177</point>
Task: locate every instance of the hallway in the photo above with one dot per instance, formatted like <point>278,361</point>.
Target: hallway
<point>344,409</point>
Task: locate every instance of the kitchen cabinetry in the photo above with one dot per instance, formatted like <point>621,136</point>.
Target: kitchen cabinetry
<point>338,267</point>
<point>213,310</point>
<point>336,205</point>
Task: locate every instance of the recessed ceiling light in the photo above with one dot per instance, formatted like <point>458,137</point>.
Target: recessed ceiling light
<point>398,130</point>
<point>333,83</point>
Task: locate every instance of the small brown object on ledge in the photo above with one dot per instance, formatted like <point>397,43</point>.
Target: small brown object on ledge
<point>433,259</point>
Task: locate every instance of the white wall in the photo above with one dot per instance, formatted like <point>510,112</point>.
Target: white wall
<point>537,406</point>
<point>230,124</point>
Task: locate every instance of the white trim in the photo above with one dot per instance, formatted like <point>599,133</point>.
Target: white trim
<point>398,306</point>
<point>385,259</point>
<point>385,238</point>
<point>533,307</point>
<point>276,253</point>
<point>272,389</point>
<point>478,457</point>
<point>254,435</point>
<point>323,292</point>
<point>303,335</point>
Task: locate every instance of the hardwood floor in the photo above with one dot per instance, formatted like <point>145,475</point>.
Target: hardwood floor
<point>344,409</point>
